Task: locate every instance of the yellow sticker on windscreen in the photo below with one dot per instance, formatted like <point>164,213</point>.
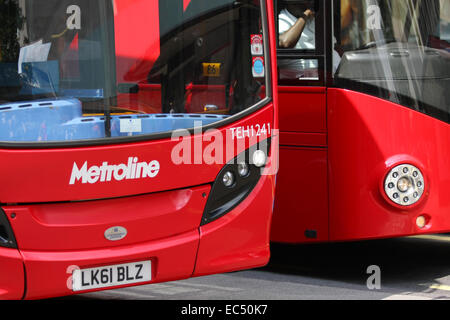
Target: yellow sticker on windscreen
<point>211,69</point>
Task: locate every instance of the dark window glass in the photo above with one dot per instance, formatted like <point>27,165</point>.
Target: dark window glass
<point>397,50</point>
<point>84,69</point>
<point>300,42</point>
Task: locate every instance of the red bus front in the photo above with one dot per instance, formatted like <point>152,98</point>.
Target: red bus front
<point>364,120</point>
<point>137,140</point>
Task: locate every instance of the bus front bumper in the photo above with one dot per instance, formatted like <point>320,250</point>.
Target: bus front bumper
<point>39,275</point>
<point>239,240</point>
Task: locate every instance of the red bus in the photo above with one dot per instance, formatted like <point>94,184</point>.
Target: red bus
<point>137,141</point>
<point>364,94</point>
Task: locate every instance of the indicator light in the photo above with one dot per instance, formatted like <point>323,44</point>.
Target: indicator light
<point>421,222</point>
<point>259,158</point>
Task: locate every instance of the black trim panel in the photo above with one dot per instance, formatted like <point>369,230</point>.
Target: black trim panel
<point>7,239</point>
<point>223,199</point>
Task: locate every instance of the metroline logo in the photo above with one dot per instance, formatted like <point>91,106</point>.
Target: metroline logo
<point>106,172</point>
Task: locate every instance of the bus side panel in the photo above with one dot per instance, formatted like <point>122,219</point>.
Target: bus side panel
<point>229,244</point>
<point>303,109</point>
<point>367,137</point>
<point>301,198</point>
<point>12,278</point>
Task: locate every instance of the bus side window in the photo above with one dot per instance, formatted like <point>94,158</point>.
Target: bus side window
<point>300,44</point>
<point>396,51</point>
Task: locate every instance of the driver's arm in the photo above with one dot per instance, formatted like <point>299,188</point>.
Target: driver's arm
<point>290,38</point>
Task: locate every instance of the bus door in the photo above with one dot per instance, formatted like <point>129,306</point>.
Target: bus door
<point>136,142</point>
<point>301,202</point>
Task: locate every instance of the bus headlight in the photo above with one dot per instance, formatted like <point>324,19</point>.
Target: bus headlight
<point>404,184</point>
<point>243,169</point>
<point>228,179</point>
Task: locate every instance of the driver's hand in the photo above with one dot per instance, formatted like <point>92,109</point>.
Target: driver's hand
<point>309,14</point>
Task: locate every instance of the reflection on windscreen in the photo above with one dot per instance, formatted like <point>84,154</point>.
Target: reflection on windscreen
<point>83,69</point>
<point>399,51</point>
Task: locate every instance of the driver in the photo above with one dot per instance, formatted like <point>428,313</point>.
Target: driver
<point>296,26</point>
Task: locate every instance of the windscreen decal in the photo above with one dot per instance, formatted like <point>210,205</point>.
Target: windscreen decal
<point>211,69</point>
<point>130,125</point>
<point>258,67</point>
<point>257,46</point>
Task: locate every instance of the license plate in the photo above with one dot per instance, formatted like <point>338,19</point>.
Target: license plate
<point>110,276</point>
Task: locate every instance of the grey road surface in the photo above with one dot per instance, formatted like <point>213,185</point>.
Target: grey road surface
<point>410,268</point>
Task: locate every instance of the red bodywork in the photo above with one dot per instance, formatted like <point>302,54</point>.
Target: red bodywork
<point>58,225</point>
<point>162,216</point>
<point>336,147</point>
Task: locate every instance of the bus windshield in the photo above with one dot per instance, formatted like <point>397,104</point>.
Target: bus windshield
<point>397,50</point>
<point>75,70</point>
